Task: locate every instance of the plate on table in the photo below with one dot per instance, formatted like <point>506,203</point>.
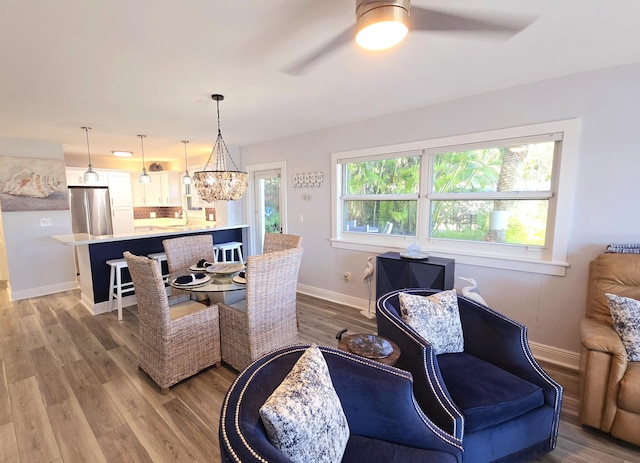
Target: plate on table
<point>414,255</point>
<point>239,280</point>
<point>195,268</point>
<point>197,282</point>
<point>225,268</point>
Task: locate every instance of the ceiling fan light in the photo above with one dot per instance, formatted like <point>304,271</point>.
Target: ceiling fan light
<point>381,27</point>
<point>122,154</point>
<point>382,35</point>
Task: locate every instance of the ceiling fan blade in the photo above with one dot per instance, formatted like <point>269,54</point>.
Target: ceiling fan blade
<point>438,21</point>
<point>299,66</point>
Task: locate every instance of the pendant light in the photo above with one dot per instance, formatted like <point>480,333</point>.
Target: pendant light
<point>186,178</point>
<point>144,177</point>
<point>220,184</point>
<point>90,176</point>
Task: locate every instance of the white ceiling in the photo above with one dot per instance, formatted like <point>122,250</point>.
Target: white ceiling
<point>149,66</point>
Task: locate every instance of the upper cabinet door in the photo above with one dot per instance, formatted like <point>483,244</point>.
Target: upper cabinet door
<point>171,189</point>
<point>120,189</point>
<point>138,192</point>
<point>163,191</point>
<point>75,177</point>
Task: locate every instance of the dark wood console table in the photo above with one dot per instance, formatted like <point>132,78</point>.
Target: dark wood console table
<point>395,272</point>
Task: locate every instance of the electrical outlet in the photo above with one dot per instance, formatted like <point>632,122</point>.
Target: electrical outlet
<point>347,276</point>
<point>45,222</point>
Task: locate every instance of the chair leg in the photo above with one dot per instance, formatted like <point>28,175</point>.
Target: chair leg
<point>164,390</point>
<point>112,276</point>
<point>119,293</point>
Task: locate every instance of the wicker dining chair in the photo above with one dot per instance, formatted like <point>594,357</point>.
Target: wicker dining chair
<point>266,319</point>
<point>185,251</point>
<point>175,342</point>
<point>280,241</point>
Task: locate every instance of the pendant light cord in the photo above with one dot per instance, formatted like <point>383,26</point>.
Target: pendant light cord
<point>86,130</point>
<point>186,169</point>
<point>142,148</point>
<point>220,147</point>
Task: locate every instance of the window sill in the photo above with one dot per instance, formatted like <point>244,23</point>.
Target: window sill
<point>519,264</point>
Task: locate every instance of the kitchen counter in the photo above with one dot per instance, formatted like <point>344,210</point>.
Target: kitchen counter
<point>143,231</point>
<point>94,251</point>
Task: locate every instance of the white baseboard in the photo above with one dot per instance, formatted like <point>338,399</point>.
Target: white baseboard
<point>543,352</point>
<point>358,303</point>
<point>555,355</point>
<point>42,290</point>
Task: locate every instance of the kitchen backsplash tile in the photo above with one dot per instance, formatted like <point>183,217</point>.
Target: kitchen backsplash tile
<point>161,212</point>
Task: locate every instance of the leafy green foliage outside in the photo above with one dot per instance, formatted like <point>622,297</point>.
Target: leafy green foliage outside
<point>272,205</point>
<point>489,173</point>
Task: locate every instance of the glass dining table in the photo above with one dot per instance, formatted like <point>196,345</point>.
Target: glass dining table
<point>219,281</point>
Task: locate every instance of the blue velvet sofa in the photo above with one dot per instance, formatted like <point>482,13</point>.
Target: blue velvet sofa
<point>385,422</point>
<point>494,396</point>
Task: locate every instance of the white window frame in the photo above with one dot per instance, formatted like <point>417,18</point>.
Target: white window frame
<point>550,259</point>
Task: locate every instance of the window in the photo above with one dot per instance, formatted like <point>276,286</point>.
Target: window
<point>378,193</point>
<point>500,195</point>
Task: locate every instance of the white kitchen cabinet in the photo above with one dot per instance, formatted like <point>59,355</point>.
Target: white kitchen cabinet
<point>138,191</point>
<point>75,177</point>
<point>163,191</point>
<point>120,189</point>
<point>121,202</point>
<point>122,220</point>
<point>170,188</point>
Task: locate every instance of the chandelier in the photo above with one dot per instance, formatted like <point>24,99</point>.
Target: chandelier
<point>220,184</point>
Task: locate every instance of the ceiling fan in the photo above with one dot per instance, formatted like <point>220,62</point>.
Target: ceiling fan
<point>399,17</point>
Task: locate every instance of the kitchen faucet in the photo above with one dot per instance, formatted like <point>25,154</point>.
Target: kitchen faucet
<point>185,216</point>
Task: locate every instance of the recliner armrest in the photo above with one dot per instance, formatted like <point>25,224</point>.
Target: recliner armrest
<point>603,363</point>
<point>600,336</point>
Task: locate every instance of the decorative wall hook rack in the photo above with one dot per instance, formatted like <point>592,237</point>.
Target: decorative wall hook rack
<point>308,180</point>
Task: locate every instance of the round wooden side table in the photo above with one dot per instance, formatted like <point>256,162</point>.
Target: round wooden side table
<point>371,346</point>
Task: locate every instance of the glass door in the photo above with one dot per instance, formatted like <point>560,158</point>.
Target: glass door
<point>268,202</point>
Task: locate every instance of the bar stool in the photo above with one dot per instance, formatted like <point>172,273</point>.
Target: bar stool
<point>160,257</point>
<point>224,247</point>
<point>116,287</point>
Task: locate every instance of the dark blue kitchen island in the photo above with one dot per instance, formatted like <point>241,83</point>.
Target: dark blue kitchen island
<point>94,251</point>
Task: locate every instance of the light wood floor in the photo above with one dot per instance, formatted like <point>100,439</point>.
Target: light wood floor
<point>70,390</point>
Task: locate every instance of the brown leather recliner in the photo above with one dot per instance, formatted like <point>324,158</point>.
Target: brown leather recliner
<point>609,383</point>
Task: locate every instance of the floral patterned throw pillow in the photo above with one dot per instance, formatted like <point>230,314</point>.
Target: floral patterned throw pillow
<point>436,318</point>
<point>303,416</point>
<point>626,321</point>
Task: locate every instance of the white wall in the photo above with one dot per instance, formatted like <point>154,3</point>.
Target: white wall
<point>605,210</point>
<point>37,264</point>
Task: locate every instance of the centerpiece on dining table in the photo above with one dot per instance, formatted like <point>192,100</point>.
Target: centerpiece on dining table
<point>222,271</point>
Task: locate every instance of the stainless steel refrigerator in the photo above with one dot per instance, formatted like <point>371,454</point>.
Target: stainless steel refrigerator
<point>90,210</point>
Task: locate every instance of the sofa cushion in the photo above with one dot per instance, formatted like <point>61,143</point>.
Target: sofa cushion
<point>486,395</point>
<point>436,318</point>
<point>625,313</point>
<point>378,451</point>
<point>303,416</point>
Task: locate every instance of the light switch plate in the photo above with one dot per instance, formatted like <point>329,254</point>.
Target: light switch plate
<point>45,222</point>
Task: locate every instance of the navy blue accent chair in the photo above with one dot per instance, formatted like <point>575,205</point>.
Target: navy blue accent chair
<point>385,422</point>
<point>494,396</point>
